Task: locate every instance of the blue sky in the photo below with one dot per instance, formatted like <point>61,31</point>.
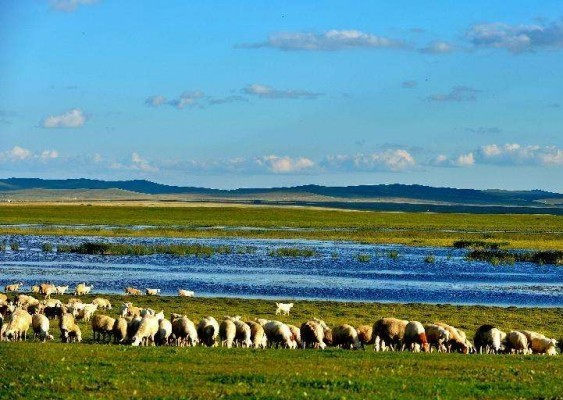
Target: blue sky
<point>267,93</point>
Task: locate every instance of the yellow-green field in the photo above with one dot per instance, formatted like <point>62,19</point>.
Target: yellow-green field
<point>541,232</point>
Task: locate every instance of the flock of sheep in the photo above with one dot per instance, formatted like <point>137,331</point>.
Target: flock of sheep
<point>143,326</point>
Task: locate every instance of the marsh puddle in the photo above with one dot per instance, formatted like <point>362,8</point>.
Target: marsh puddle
<point>335,273</point>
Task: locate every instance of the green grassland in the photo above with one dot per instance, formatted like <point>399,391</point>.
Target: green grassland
<point>54,370</point>
<point>541,232</point>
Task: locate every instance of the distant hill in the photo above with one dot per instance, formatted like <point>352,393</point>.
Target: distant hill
<point>395,194</point>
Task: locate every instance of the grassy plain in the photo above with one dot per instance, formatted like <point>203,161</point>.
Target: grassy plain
<point>541,232</point>
<point>54,370</point>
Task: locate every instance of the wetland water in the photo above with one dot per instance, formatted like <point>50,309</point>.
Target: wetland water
<point>335,273</point>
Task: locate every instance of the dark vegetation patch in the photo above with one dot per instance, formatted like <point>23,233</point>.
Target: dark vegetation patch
<point>496,257</point>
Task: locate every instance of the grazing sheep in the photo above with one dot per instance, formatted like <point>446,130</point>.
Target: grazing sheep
<point>70,331</point>
<point>74,300</point>
<point>152,292</point>
<point>544,346</point>
<point>365,334</point>
<point>296,334</point>
<point>531,335</point>
<point>437,337</point>
<point>458,341</point>
<point>132,328</point>
<point>327,332</point>
<point>61,289</point>
<point>184,330</point>
<point>164,331</point>
<point>119,330</point>
<point>102,325</point>
<point>133,291</point>
<point>243,334</point>
<point>346,336</point>
<point>3,298</point>
<point>148,328</point>
<point>52,310</point>
<point>208,330</point>
<point>489,339</point>
<point>24,301</point>
<point>227,333</point>
<point>47,289</point>
<point>7,309</point>
<point>35,289</point>
<point>516,342</point>
<point>283,308</point>
<point>87,311</point>
<point>14,287</point>
<point>389,332</point>
<point>415,335</point>
<point>103,304</point>
<point>257,335</point>
<point>279,334</point>
<point>312,335</point>
<point>127,309</point>
<point>186,293</point>
<point>82,289</point>
<point>17,325</point>
<point>40,325</point>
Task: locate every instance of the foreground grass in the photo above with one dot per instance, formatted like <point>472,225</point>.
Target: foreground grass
<point>87,370</point>
<point>61,371</point>
<point>542,232</point>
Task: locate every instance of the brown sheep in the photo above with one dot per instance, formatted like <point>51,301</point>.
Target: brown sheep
<point>345,336</point>
<point>389,332</point>
<point>102,325</point>
<point>365,334</point>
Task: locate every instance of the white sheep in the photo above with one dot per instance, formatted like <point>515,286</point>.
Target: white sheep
<point>40,324</point>
<point>164,331</point>
<point>415,337</point>
<point>148,328</point>
<point>82,289</point>
<point>184,330</point>
<point>186,293</point>
<point>17,325</point>
<point>70,331</point>
<point>489,339</point>
<point>516,342</point>
<point>279,334</point>
<point>227,333</point>
<point>152,292</point>
<point>283,308</point>
<point>102,303</point>
<point>61,289</point>
<point>312,335</point>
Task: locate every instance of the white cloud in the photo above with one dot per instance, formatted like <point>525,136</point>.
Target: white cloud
<point>465,160</point>
<point>136,163</point>
<point>517,38</point>
<point>49,154</point>
<point>155,101</point>
<point>284,165</point>
<point>388,160</point>
<point>438,48</point>
<point>509,154</point>
<point>17,153</point>
<point>268,92</point>
<point>69,5</point>
<point>327,41</point>
<point>187,99</point>
<point>71,119</point>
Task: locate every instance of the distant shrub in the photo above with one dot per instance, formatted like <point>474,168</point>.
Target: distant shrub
<point>393,254</point>
<point>98,248</point>
<point>15,246</point>
<point>364,258</point>
<point>478,244</point>
<point>430,259</point>
<point>292,252</point>
<point>47,247</point>
<point>497,257</point>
